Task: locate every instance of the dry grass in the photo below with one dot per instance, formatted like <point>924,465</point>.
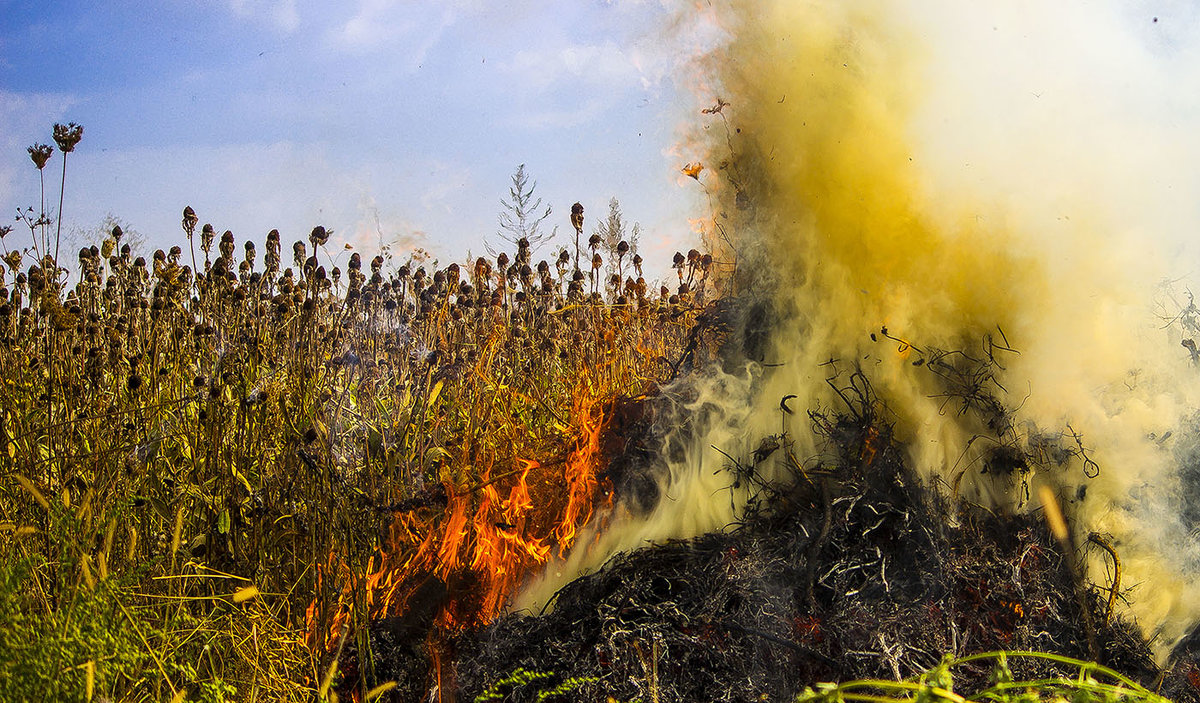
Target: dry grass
<point>169,439</point>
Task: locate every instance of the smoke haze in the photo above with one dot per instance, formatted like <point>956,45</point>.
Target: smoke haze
<point>1014,182</point>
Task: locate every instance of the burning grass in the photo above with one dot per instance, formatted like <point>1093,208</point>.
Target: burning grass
<point>849,569</point>
<point>227,479</point>
<point>248,462</point>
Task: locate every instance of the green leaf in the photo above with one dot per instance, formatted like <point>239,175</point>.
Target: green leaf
<point>223,522</point>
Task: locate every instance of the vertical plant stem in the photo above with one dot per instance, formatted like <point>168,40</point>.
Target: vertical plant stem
<point>58,234</point>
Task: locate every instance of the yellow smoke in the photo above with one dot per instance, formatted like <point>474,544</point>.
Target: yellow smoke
<point>860,226</point>
<point>872,178</point>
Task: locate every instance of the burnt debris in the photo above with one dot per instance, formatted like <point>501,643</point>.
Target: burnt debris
<point>850,567</point>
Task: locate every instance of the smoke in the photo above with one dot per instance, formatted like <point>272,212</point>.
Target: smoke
<point>1013,183</point>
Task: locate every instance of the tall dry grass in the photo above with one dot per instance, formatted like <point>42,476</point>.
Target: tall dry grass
<point>188,442</point>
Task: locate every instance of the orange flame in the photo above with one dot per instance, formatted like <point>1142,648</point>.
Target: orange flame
<point>581,478</point>
<point>487,537</point>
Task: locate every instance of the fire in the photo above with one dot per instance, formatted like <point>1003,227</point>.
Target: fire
<point>490,536</point>
<point>581,478</point>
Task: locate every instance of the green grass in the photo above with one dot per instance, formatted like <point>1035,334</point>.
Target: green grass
<point>1091,683</point>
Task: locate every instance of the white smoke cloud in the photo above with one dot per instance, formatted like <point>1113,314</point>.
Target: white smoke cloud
<point>951,171</point>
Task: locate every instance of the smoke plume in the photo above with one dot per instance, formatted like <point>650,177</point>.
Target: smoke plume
<point>976,209</point>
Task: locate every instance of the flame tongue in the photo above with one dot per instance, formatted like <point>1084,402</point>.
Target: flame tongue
<point>488,538</point>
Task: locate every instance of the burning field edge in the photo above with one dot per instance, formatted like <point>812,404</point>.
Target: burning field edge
<point>848,567</point>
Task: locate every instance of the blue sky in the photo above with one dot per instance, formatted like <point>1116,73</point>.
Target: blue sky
<point>386,120</point>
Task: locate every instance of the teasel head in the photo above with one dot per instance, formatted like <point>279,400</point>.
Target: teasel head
<point>251,253</point>
<point>189,221</point>
<point>319,236</point>
<point>577,217</point>
<point>226,246</point>
<point>597,262</point>
<point>206,238</point>
<point>299,254</point>
<point>594,241</point>
<point>355,262</point>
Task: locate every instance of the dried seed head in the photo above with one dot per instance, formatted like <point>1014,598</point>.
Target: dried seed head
<point>189,221</point>
<point>226,245</point>
<point>67,136</point>
<point>40,154</point>
<point>577,217</point>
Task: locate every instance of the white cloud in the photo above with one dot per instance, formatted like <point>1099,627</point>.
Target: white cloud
<point>405,26</point>
<point>445,181</point>
<point>548,68</point>
<point>280,14</point>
